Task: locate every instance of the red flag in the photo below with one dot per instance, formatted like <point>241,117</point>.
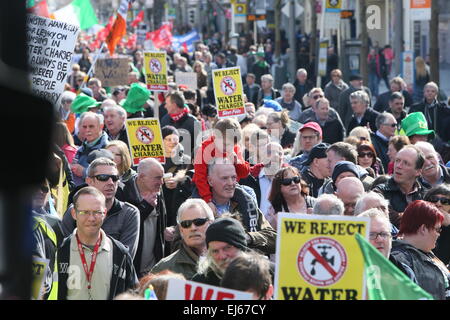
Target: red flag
<point>103,33</point>
<point>162,37</point>
<point>40,9</point>
<point>131,43</point>
<point>119,28</point>
<point>138,19</point>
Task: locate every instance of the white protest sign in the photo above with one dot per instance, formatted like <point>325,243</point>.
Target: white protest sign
<point>50,50</point>
<point>189,79</point>
<point>189,290</point>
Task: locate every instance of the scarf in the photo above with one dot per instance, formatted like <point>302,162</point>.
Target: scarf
<point>177,116</point>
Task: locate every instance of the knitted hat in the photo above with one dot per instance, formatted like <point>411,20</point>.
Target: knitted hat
<point>344,166</point>
<point>137,96</point>
<point>272,104</point>
<point>415,123</point>
<point>83,103</point>
<point>355,77</point>
<point>227,230</point>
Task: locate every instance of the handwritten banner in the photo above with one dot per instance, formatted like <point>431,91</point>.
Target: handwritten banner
<point>112,72</point>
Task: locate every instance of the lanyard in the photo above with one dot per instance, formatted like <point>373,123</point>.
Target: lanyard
<point>89,272</point>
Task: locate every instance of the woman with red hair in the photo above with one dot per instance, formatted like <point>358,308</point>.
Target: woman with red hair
<point>420,227</point>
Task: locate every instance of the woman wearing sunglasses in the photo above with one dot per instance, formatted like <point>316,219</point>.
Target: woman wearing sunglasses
<point>289,193</point>
<point>420,227</point>
<point>367,158</point>
<point>440,197</point>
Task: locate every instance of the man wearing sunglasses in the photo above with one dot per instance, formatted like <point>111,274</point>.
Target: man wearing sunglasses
<point>386,126</point>
<point>122,218</point>
<point>433,172</point>
<point>193,218</point>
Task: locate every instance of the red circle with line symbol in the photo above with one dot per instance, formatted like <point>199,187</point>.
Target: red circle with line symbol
<point>145,135</point>
<point>228,86</point>
<point>155,66</point>
<point>322,261</point>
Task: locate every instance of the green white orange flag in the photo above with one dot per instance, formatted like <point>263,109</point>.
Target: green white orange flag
<point>119,28</point>
<point>384,280</point>
<point>79,13</point>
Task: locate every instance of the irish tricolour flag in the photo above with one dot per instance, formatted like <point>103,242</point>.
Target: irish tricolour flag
<point>79,13</point>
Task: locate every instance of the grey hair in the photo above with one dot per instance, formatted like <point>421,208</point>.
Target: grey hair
<point>195,203</point>
<point>146,164</point>
<point>361,96</point>
<point>370,195</point>
<point>121,111</point>
<point>102,161</point>
<point>381,119</point>
<point>267,77</point>
<point>67,96</point>
<point>97,116</point>
<point>376,213</point>
<point>288,85</point>
<point>337,208</point>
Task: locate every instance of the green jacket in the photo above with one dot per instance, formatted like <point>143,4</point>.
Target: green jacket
<point>183,261</point>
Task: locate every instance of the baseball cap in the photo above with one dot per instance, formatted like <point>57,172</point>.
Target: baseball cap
<point>319,151</point>
<point>312,125</point>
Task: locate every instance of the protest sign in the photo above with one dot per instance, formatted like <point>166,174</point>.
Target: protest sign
<point>318,257</point>
<point>189,79</point>
<point>112,71</point>
<point>155,65</point>
<point>228,91</point>
<point>39,272</point>
<point>189,290</point>
<point>145,139</point>
<point>50,50</point>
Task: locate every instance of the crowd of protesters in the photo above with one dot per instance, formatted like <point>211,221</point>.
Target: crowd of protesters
<point>209,213</point>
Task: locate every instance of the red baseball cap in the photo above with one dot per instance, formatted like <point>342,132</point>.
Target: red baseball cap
<point>312,125</point>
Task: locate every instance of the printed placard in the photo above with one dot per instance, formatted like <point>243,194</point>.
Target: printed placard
<point>145,139</point>
<point>112,71</point>
<point>155,66</point>
<point>318,257</point>
<point>39,273</point>
<point>189,290</point>
<point>50,50</point>
<point>229,92</point>
<point>189,79</point>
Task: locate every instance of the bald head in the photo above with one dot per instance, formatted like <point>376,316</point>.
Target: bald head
<point>349,190</point>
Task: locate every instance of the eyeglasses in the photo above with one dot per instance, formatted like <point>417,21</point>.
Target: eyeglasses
<point>383,235</point>
<point>317,96</point>
<point>288,181</point>
<point>106,177</point>
<point>90,212</point>
<point>393,125</point>
<point>365,154</point>
<point>308,137</point>
<point>444,201</point>
<point>198,222</point>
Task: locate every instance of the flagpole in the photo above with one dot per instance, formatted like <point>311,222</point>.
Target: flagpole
<point>83,84</point>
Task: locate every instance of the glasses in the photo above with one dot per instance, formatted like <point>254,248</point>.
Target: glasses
<point>365,154</point>
<point>317,96</point>
<point>288,181</point>
<point>308,137</point>
<point>393,125</point>
<point>106,177</point>
<point>383,235</point>
<point>95,213</point>
<point>198,222</point>
<point>444,201</point>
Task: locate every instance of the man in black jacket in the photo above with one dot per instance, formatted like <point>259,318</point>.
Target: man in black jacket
<point>363,115</point>
<point>436,113</point>
<point>251,88</point>
<point>386,125</point>
<point>403,187</point>
<point>179,117</point>
<point>144,191</point>
<point>316,168</point>
<point>92,265</point>
<point>332,128</point>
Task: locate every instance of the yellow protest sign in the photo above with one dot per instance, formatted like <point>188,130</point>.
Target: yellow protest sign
<point>318,257</point>
<point>145,139</point>
<point>155,66</point>
<point>39,272</point>
<point>228,91</point>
